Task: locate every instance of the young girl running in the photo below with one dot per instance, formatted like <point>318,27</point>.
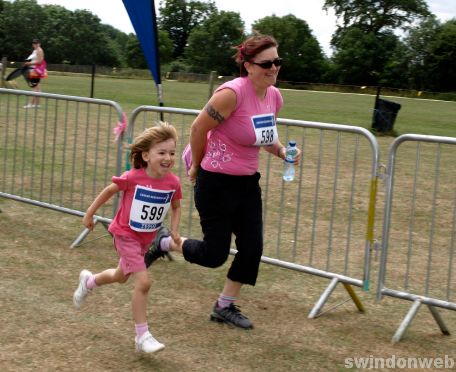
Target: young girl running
<point>149,190</point>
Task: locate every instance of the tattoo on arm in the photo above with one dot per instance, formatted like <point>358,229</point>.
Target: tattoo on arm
<point>214,114</point>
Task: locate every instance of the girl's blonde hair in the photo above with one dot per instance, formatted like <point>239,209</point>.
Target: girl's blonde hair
<point>161,132</point>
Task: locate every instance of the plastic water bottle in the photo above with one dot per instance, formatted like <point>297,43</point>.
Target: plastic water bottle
<point>288,164</point>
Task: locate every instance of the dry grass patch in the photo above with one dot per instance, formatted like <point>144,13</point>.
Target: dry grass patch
<point>42,331</point>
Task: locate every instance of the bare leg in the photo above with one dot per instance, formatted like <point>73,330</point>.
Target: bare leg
<point>139,300</point>
<point>110,276</point>
<point>232,289</point>
<point>36,100</point>
<point>177,247</point>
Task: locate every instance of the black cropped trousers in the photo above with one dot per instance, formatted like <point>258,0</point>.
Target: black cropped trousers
<point>228,205</point>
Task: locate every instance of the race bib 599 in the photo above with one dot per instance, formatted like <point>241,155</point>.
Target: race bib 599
<point>149,208</point>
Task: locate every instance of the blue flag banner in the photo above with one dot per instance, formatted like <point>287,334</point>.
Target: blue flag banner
<point>143,18</point>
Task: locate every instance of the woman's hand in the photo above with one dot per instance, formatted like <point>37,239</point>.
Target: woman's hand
<point>297,158</point>
<point>192,173</point>
<point>176,237</point>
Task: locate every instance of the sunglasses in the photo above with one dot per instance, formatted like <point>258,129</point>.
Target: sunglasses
<point>268,64</point>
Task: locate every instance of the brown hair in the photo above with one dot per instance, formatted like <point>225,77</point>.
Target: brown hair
<point>161,132</point>
<point>251,47</point>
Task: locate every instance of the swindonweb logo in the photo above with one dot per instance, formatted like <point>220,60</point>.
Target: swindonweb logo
<point>395,362</point>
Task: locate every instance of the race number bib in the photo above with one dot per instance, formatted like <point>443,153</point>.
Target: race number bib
<point>149,208</point>
<point>265,130</point>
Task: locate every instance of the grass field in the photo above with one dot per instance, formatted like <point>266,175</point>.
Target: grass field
<point>416,115</point>
<point>42,331</point>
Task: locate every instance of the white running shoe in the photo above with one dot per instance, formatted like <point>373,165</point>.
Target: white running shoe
<point>148,344</point>
<point>82,291</point>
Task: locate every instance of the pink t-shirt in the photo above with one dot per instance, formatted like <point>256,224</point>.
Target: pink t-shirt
<point>144,203</point>
<point>233,146</point>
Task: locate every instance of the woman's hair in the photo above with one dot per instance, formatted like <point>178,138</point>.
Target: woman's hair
<point>161,132</point>
<point>251,47</point>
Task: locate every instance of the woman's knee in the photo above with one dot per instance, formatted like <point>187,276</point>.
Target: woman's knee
<point>217,260</point>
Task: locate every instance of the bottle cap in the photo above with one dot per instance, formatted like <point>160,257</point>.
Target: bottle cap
<point>292,143</point>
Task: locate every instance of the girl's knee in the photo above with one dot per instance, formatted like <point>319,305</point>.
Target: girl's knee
<point>142,284</point>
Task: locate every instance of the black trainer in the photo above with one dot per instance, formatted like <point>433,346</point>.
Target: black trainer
<point>230,315</point>
<point>155,251</point>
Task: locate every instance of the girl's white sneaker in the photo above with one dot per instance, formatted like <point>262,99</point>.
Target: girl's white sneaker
<point>148,344</point>
<point>82,291</point>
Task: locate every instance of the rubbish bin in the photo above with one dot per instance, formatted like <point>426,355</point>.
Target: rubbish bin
<point>385,113</point>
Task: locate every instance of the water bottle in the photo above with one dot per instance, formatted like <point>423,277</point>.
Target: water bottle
<point>288,165</point>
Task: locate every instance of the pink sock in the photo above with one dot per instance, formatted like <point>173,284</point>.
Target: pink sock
<point>141,329</point>
<point>165,244</point>
<point>91,283</point>
<point>225,301</point>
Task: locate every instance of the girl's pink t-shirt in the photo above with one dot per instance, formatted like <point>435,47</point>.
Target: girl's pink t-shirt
<point>127,183</point>
<point>231,145</point>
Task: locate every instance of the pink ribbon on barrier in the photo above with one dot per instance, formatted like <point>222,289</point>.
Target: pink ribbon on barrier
<point>120,127</point>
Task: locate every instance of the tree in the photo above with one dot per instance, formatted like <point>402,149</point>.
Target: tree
<point>364,42</point>
<point>134,53</point>
<point>362,56</point>
<point>19,20</point>
<point>303,58</point>
<point>416,45</point>
<point>179,17</point>
<point>210,46</point>
<point>76,37</point>
<point>441,59</point>
<point>375,16</point>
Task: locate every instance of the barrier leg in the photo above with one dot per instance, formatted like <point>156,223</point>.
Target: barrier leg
<point>321,301</point>
<point>439,320</point>
<point>406,322</point>
<point>80,238</point>
<point>86,232</point>
<point>354,297</point>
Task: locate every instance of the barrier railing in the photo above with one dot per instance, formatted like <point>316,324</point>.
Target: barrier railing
<point>419,229</point>
<point>61,154</point>
<point>322,223</point>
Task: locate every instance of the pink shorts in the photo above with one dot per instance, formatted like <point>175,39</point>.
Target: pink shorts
<point>131,253</point>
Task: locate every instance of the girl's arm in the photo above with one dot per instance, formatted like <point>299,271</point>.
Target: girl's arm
<point>102,198</point>
<point>175,220</point>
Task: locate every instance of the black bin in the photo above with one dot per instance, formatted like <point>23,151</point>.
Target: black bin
<point>385,113</point>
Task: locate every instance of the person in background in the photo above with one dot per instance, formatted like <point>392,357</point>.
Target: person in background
<point>238,121</point>
<point>36,70</point>
<point>149,190</point>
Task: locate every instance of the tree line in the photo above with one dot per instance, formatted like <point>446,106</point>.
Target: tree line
<point>194,36</point>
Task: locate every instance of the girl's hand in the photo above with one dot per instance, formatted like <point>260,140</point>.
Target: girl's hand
<point>88,221</point>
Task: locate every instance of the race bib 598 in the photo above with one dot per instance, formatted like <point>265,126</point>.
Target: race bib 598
<point>265,129</point>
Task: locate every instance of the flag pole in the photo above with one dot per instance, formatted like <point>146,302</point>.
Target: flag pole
<point>157,58</point>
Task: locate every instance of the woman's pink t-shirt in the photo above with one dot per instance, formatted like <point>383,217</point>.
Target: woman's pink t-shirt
<point>231,145</point>
<point>128,182</point>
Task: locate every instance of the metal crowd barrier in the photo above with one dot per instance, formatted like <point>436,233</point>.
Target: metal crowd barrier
<point>59,155</point>
<point>418,261</point>
<point>323,222</point>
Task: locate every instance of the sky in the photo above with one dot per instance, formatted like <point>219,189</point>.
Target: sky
<point>321,23</point>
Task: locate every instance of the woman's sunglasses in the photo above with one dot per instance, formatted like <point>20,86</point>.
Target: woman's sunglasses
<point>268,64</point>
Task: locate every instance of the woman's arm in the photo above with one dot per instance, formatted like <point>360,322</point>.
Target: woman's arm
<point>217,109</point>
